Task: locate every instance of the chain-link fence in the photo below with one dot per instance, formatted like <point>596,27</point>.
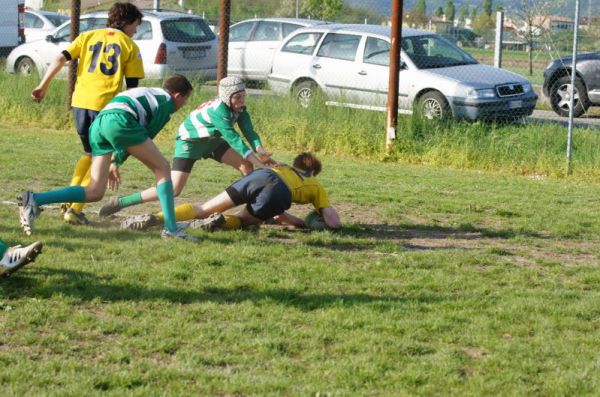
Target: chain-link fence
<point>454,62</point>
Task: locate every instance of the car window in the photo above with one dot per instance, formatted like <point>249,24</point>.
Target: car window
<point>289,28</point>
<point>32,21</point>
<point>144,31</point>
<point>57,20</point>
<point>429,52</point>
<point>377,52</point>
<point>186,30</point>
<point>339,46</point>
<point>85,25</point>
<point>241,32</point>
<point>303,43</point>
<point>267,31</point>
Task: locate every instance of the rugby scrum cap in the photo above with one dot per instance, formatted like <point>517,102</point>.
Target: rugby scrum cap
<point>229,86</point>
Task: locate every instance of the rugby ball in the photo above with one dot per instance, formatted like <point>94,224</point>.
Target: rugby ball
<point>315,221</point>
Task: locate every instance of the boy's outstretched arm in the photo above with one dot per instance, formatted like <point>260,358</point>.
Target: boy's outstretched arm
<point>57,64</point>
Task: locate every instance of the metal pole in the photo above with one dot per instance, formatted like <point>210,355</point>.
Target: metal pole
<point>297,8</point>
<point>157,5</point>
<point>572,88</point>
<point>498,41</point>
<point>224,19</point>
<point>73,33</point>
<point>394,78</point>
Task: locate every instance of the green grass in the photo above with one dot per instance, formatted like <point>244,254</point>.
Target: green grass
<point>442,282</point>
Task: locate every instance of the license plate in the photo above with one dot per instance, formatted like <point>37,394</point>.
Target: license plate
<point>515,104</point>
<point>194,54</point>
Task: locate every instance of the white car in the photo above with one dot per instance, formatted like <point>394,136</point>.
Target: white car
<point>349,64</point>
<point>39,24</point>
<point>253,42</point>
<point>169,42</point>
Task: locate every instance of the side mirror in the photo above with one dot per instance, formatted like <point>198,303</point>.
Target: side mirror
<point>403,65</point>
<point>50,38</point>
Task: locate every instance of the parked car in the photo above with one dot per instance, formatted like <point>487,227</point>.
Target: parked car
<point>39,24</point>
<point>349,64</point>
<point>169,42</point>
<point>253,42</point>
<point>557,83</point>
<point>11,25</point>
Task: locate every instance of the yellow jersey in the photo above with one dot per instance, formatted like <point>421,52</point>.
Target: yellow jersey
<point>106,57</point>
<point>305,188</point>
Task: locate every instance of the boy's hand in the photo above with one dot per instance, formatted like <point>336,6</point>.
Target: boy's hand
<point>114,177</point>
<point>265,157</point>
<point>38,94</point>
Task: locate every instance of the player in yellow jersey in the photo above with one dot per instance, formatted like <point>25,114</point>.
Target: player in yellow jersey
<point>267,193</point>
<point>106,57</point>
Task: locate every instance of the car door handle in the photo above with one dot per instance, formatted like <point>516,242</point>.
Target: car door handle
<point>362,73</point>
<point>317,66</point>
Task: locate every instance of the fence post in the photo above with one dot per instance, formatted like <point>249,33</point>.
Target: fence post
<point>394,78</point>
<point>73,33</point>
<point>498,41</point>
<point>224,19</point>
<point>572,89</point>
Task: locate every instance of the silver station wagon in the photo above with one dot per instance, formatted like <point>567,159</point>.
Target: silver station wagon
<point>169,42</point>
<point>349,65</point>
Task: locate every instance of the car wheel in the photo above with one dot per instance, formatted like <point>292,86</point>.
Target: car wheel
<point>560,97</point>
<point>25,66</point>
<point>434,106</point>
<point>305,93</point>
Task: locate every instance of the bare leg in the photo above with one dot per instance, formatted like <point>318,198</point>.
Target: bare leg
<point>179,180</point>
<point>98,178</point>
<point>148,153</point>
<point>221,202</point>
<point>247,218</point>
<point>233,159</point>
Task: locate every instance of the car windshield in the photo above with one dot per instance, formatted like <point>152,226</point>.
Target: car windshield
<point>430,52</point>
<point>57,20</point>
<point>186,30</point>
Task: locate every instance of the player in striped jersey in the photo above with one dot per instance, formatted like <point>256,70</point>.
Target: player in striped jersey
<point>106,56</point>
<point>124,127</point>
<point>208,132</point>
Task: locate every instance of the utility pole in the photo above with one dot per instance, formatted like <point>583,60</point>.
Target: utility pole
<point>394,78</point>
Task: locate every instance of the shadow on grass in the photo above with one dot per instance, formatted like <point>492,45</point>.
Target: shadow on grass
<point>87,286</point>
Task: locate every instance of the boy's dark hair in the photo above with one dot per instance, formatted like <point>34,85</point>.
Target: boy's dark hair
<point>308,162</point>
<point>121,14</point>
<point>178,83</point>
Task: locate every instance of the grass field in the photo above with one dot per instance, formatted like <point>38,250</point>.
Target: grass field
<point>442,282</point>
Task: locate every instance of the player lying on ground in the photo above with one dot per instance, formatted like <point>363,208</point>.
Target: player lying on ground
<point>208,132</point>
<point>125,126</point>
<point>267,193</point>
<point>106,57</point>
<point>14,258</point>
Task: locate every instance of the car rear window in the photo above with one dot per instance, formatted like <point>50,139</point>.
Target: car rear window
<point>186,30</point>
<point>57,20</point>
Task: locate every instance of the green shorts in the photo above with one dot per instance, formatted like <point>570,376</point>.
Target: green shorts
<point>200,149</point>
<point>114,132</point>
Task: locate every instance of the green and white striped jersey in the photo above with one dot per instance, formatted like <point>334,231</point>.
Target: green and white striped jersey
<point>151,107</point>
<point>215,118</point>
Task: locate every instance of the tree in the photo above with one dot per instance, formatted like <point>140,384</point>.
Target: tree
<point>322,9</point>
<point>418,15</point>
<point>450,11</point>
<point>499,7</point>
<point>487,7</point>
<point>484,26</point>
<point>463,14</point>
<point>439,11</point>
<point>473,14</point>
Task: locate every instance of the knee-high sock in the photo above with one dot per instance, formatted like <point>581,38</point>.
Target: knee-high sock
<point>81,169</point>
<point>3,248</point>
<point>71,194</point>
<point>232,222</point>
<point>183,212</point>
<point>167,203</point>
<point>132,199</point>
<point>78,207</point>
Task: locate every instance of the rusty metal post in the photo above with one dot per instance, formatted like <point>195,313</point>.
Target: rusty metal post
<point>394,80</point>
<point>74,32</point>
<point>224,19</point>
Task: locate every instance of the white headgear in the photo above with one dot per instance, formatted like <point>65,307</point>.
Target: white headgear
<point>229,86</point>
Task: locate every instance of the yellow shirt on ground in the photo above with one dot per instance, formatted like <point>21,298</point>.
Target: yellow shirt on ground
<point>106,57</point>
<point>305,188</point>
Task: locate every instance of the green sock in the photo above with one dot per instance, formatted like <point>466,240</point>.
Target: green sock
<point>167,203</point>
<point>132,199</point>
<point>3,248</point>
<point>71,194</point>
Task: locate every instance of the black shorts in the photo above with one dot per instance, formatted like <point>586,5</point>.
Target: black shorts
<point>185,164</point>
<point>264,193</point>
<point>83,120</point>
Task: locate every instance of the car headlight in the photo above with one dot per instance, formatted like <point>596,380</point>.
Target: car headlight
<point>481,94</point>
<point>526,88</point>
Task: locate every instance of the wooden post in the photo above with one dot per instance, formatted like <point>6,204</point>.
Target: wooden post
<point>73,33</point>
<point>224,20</point>
<point>394,79</point>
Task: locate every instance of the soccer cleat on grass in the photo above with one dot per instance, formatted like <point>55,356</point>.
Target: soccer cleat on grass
<point>64,207</point>
<point>210,224</point>
<point>75,218</point>
<point>112,207</point>
<point>17,257</point>
<point>28,211</point>
<point>140,222</point>
<point>179,233</point>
